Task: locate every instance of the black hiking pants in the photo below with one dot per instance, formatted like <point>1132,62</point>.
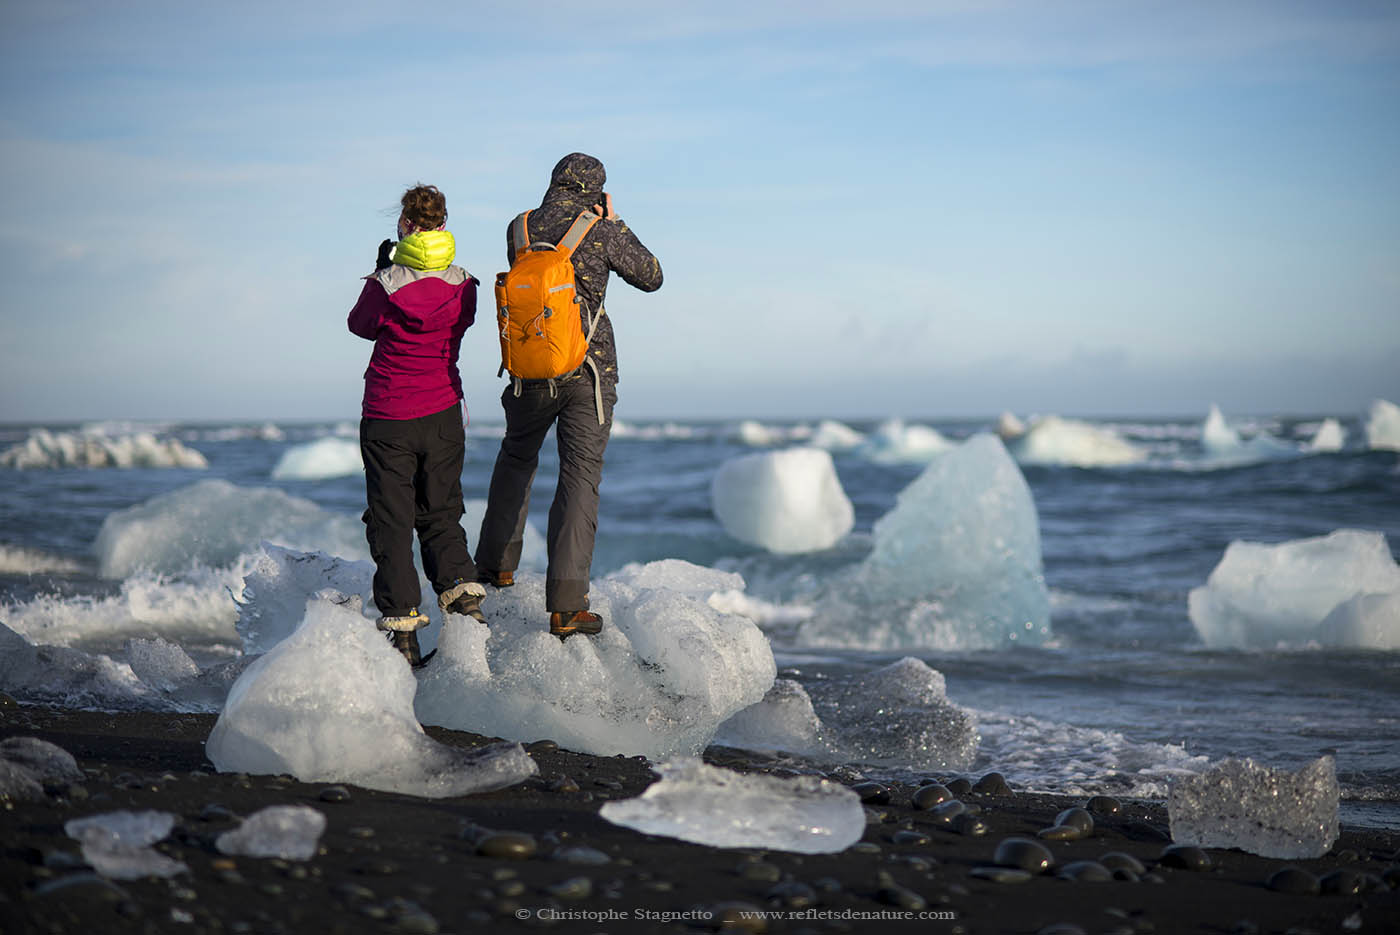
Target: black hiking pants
<point>413,481</point>
<point>573,517</point>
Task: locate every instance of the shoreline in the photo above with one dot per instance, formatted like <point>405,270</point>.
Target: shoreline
<point>395,863</point>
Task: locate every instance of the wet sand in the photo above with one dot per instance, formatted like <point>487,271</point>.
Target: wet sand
<point>396,863</point>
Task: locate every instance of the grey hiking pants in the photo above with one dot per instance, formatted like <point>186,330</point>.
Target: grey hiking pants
<point>573,517</point>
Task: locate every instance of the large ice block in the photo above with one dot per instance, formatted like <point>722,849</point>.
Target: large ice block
<point>785,501</point>
<point>1263,810</point>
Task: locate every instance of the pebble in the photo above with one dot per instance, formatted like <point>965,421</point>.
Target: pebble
<point>1343,883</point>
<point>362,832</point>
<point>508,845</point>
<point>1293,880</point>
<point>1025,854</point>
<point>873,792</point>
<point>738,917</point>
<point>908,837</point>
<point>992,784</point>
<point>564,784</point>
<point>376,867</point>
<point>1117,860</point>
<point>78,885</point>
<point>1103,805</point>
<point>579,854</point>
<point>1060,833</point>
<point>926,797</point>
<point>572,888</point>
<point>1001,874</point>
<point>1346,855</point>
<point>969,824</point>
<point>542,746</point>
<point>1085,871</point>
<point>892,894</point>
<point>334,794</point>
<point>945,812</point>
<point>864,847</point>
<point>959,786</point>
<point>759,871</point>
<point>1184,857</point>
<point>215,812</point>
<point>1076,818</point>
<point>793,895</point>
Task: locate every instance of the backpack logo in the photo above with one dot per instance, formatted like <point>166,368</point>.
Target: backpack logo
<point>538,312</point>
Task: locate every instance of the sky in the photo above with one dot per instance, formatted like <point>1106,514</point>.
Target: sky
<point>913,208</point>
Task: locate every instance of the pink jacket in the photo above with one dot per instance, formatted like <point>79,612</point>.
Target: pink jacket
<point>416,319</point>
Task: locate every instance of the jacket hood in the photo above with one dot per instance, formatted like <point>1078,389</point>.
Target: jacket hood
<point>426,250</point>
<point>578,174</point>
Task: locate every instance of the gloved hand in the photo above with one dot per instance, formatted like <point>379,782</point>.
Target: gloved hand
<point>386,250</point>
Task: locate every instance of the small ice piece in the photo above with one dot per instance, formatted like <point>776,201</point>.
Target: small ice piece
<point>333,702</point>
<point>1054,440</point>
<point>318,460</point>
<point>160,664</point>
<point>894,442</point>
<point>1262,596</point>
<point>785,501</point>
<point>955,565</point>
<point>784,720</point>
<point>721,808</point>
<point>835,436</point>
<point>1259,809</point>
<point>118,844</point>
<point>1330,436</point>
<point>1223,445</point>
<point>1009,426</point>
<point>898,714</point>
<point>1383,426</point>
<point>291,832</point>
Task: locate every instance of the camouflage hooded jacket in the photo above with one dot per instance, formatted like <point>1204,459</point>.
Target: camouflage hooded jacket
<point>575,186</point>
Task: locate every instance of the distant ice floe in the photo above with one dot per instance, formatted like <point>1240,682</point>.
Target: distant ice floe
<point>1340,590</point>
<point>95,449</point>
<point>1329,437</point>
<point>1383,426</point>
<point>835,436</point>
<point>333,702</point>
<point>1265,811</point>
<point>1052,440</point>
<point>704,804</point>
<point>787,501</point>
<point>318,460</point>
<point>666,431</point>
<point>1225,447</point>
<point>955,565</point>
<point>894,442</point>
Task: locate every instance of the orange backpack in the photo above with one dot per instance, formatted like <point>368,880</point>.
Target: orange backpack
<point>537,309</point>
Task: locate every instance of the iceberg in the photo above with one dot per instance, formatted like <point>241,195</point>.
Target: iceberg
<point>1270,812</point>
<point>95,449</point>
<point>955,565</point>
<point>118,844</point>
<point>1330,436</point>
<point>787,501</point>
<point>1224,446</point>
<point>704,804</point>
<point>1383,426</point>
<point>1052,440</point>
<point>664,673</point>
<point>1333,590</point>
<point>318,460</point>
<point>835,436</point>
<point>333,702</point>
<point>290,832</point>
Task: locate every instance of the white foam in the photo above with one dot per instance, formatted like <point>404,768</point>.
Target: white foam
<point>758,435</point>
<point>894,442</point>
<point>1264,596</point>
<point>1053,440</point>
<point>15,560</point>
<point>705,804</point>
<point>1265,811</point>
<point>320,459</point>
<point>665,671</point>
<point>666,431</point>
<point>786,501</point>
<point>95,449</point>
<point>955,565</point>
<point>1383,426</point>
<point>212,523</point>
<point>333,702</point>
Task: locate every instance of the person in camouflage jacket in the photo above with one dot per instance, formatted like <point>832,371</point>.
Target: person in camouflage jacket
<point>578,405</point>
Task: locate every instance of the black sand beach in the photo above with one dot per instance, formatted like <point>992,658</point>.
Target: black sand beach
<point>395,863</point>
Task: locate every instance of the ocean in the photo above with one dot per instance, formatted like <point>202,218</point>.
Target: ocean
<point>1122,694</point>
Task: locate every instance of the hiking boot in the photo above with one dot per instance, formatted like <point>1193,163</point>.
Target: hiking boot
<point>497,579</point>
<point>565,624</point>
<point>464,597</point>
<point>406,642</point>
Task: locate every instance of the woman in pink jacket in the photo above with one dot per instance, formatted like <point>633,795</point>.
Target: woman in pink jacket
<point>415,308</point>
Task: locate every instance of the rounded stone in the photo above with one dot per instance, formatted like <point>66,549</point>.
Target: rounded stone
<point>908,837</point>
<point>542,746</point>
<point>992,784</point>
<point>572,888</point>
<point>1103,805</point>
<point>1076,818</point>
<point>793,895</point>
<point>1085,871</point>
<point>1117,860</point>
<point>215,812</point>
<point>969,824</point>
<point>945,812</point>
<point>1342,883</point>
<point>959,786</point>
<point>760,871</point>
<point>1024,854</point>
<point>901,896</point>
<point>876,793</point>
<point>1060,833</point>
<point>738,917</point>
<point>1184,857</point>
<point>1001,874</point>
<point>864,847</point>
<point>563,784</point>
<point>507,845</point>
<point>1293,880</point>
<point>926,797</point>
<point>334,794</point>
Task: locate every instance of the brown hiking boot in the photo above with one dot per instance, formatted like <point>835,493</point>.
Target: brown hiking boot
<point>406,642</point>
<point>497,579</point>
<point>566,624</point>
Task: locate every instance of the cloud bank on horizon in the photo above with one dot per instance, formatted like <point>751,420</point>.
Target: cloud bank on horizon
<point>946,208</point>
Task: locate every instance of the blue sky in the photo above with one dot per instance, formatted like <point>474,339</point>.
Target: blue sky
<point>923,209</point>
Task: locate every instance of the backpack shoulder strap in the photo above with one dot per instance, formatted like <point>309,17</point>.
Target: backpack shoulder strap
<point>519,234</point>
<point>577,231</point>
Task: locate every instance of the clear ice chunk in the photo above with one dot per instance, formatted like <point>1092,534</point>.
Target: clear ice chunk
<point>291,832</point>
<point>1259,809</point>
<point>118,844</point>
<point>705,804</point>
